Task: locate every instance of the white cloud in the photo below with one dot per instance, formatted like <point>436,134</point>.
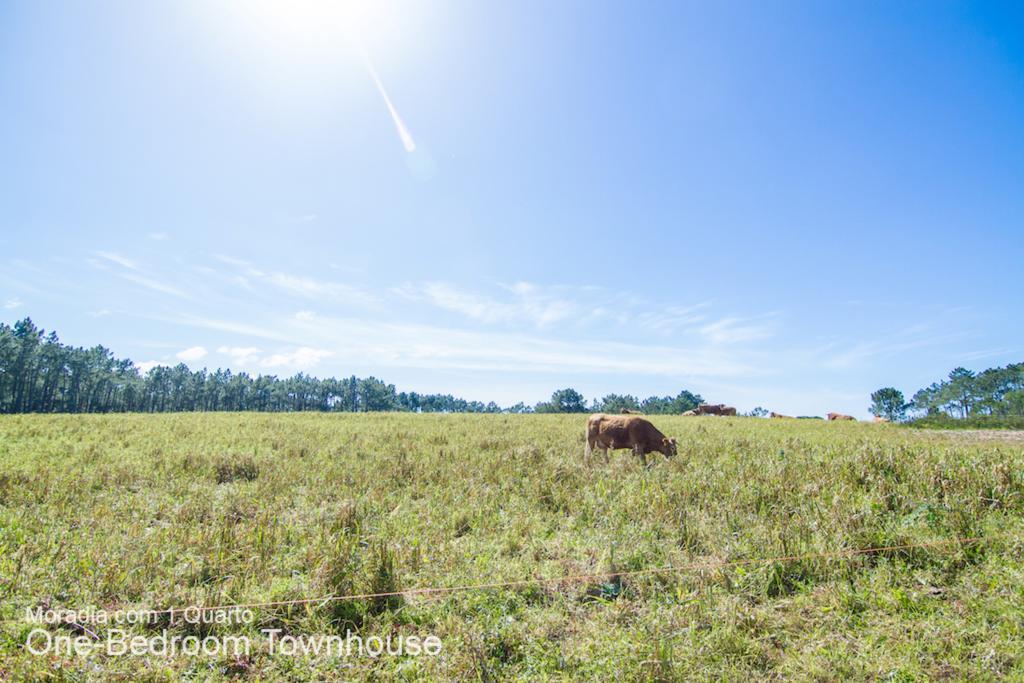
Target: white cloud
<point>239,355</point>
<point>11,304</point>
<point>147,365</point>
<point>192,353</point>
<point>158,236</point>
<point>302,358</point>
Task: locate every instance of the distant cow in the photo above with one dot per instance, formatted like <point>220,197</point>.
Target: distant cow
<point>627,431</point>
<point>715,409</point>
<point>839,416</point>
<point>627,411</point>
<point>879,418</point>
<point>689,413</point>
<point>781,416</point>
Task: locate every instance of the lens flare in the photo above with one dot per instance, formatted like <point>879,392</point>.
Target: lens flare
<point>403,132</point>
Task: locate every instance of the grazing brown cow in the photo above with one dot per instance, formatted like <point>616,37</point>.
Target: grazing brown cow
<point>689,413</point>
<point>781,416</point>
<point>627,411</point>
<point>715,409</point>
<point>879,418</point>
<point>627,431</point>
<point>839,416</point>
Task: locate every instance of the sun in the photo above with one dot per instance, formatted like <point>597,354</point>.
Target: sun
<point>317,25</point>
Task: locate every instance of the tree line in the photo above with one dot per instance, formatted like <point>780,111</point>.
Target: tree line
<point>39,374</point>
<point>996,392</point>
<point>572,401</point>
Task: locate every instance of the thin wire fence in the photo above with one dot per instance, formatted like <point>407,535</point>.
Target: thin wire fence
<point>598,576</point>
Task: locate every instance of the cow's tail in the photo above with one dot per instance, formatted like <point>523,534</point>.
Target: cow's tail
<point>587,449</point>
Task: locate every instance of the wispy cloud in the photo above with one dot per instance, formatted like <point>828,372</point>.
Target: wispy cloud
<point>519,327</point>
<point>11,304</point>
<point>120,260</point>
<point>318,289</point>
<point>836,357</point>
<point>987,353</point>
<point>158,236</point>
<point>548,307</point>
<point>300,285</point>
<point>130,270</point>
<point>735,330</point>
<point>526,332</point>
<point>155,285</point>
<point>221,325</point>
<point>672,318</point>
<point>528,303</point>
<point>350,342</point>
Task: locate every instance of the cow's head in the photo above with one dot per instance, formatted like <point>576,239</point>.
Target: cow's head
<point>668,447</point>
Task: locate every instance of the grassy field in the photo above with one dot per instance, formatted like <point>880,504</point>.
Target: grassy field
<point>139,511</point>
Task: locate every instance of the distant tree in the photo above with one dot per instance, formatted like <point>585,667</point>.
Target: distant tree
<point>686,401</point>
<point>614,403</point>
<point>1015,402</point>
<point>889,403</point>
<point>758,412</point>
<point>928,400</point>
<point>668,405</point>
<point>375,395</point>
<point>965,393</point>
<point>961,391</point>
<point>564,401</point>
<point>409,401</point>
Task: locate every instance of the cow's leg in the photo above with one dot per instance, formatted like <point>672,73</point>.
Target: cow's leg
<point>638,451</point>
<point>643,458</point>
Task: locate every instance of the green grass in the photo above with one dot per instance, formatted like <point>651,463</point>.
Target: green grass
<point>943,421</point>
<point>148,511</point>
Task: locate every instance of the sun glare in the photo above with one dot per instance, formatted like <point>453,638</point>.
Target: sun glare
<point>321,22</point>
<point>319,37</point>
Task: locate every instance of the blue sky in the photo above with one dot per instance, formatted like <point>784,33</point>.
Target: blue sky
<point>777,204</point>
